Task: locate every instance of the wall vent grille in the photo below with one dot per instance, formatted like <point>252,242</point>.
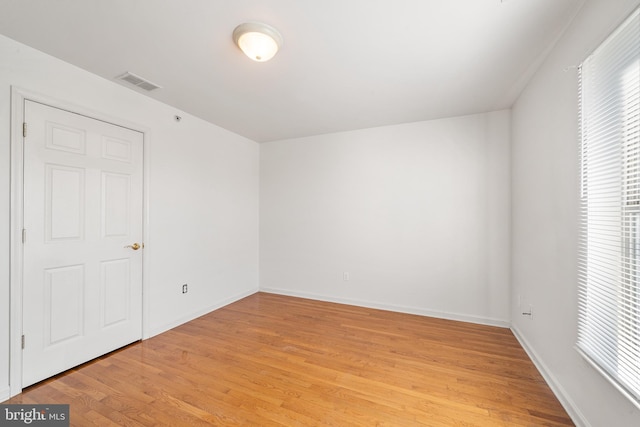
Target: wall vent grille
<point>138,81</point>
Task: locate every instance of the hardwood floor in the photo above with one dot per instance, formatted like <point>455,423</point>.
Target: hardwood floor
<point>275,360</point>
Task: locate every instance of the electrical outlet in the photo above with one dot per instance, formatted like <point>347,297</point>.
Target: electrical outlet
<point>529,313</point>
<point>345,276</point>
<point>184,289</point>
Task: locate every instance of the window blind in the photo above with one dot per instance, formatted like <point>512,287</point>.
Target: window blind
<point>609,247</point>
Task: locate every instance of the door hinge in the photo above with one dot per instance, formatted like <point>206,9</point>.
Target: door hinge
<point>24,235</point>
<point>23,342</point>
<point>24,129</point>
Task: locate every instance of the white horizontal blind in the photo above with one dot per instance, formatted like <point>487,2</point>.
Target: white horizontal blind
<point>609,253</point>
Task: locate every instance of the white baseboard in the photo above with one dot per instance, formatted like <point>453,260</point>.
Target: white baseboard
<point>552,381</point>
<point>194,315</point>
<point>5,394</point>
<point>391,307</point>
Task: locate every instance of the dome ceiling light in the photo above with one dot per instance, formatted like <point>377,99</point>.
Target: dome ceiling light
<point>258,41</point>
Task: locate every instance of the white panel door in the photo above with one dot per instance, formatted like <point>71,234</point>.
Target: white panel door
<point>82,289</point>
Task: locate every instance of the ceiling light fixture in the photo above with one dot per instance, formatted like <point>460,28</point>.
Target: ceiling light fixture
<point>258,41</point>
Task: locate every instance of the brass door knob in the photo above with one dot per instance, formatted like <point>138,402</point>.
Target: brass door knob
<point>135,246</point>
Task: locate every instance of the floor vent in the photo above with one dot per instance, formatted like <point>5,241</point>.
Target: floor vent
<point>138,81</point>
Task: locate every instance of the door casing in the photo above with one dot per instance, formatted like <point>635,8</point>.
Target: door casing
<point>18,97</point>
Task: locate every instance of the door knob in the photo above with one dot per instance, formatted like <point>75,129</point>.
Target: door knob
<point>135,246</point>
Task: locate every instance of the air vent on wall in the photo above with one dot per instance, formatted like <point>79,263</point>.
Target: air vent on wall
<point>138,81</point>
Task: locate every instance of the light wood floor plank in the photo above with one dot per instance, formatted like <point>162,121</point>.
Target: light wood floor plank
<point>271,360</point>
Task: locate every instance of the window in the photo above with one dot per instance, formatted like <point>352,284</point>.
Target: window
<point>609,250</point>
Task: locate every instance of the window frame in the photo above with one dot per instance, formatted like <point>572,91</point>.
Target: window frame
<point>609,246</point>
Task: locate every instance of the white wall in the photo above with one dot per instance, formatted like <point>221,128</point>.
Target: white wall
<point>545,221</point>
<point>417,214</point>
<point>203,193</point>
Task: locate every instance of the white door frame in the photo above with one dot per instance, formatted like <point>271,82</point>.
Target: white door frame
<point>18,98</point>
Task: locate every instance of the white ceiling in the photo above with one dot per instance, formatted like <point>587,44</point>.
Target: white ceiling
<point>344,65</point>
